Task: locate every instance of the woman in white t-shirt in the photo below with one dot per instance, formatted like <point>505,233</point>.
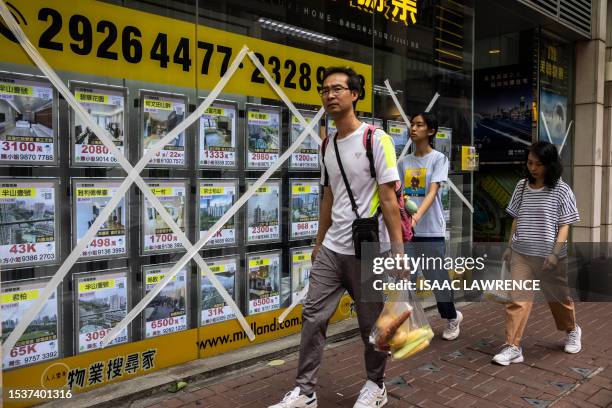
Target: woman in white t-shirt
<point>543,207</point>
<point>421,173</point>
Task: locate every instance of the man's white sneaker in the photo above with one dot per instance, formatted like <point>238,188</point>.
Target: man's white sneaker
<point>509,354</point>
<point>452,329</point>
<point>572,342</point>
<point>293,399</point>
<point>371,396</point>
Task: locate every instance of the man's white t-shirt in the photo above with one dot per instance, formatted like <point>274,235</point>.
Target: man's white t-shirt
<point>365,189</point>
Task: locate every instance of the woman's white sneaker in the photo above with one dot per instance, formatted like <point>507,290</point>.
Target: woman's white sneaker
<point>452,328</point>
<point>509,354</point>
<point>573,344</point>
<point>293,399</point>
<point>371,396</point>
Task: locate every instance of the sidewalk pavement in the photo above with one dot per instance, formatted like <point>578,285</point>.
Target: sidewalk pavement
<point>446,374</point>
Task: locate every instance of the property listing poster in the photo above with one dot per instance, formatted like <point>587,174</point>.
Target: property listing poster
<point>306,157</point>
<point>28,121</point>
<point>301,263</point>
<point>167,312</point>
<point>264,281</point>
<point>40,341</point>
<point>158,236</point>
<point>217,140</point>
<point>446,201</point>
<point>102,303</point>
<point>161,114</point>
<point>216,197</point>
<point>443,141</point>
<point>263,213</point>
<point>90,198</point>
<point>27,222</point>
<point>214,308</point>
<point>106,107</point>
<point>330,126</point>
<point>399,133</point>
<point>263,133</point>
<point>304,208</point>
<point>372,121</point>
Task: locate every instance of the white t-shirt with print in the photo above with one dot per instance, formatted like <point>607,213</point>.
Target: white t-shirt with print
<point>416,175</point>
<point>365,189</point>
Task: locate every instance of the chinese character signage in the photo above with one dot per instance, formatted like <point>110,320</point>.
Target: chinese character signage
<point>106,107</point>
<point>263,136</point>
<point>28,121</point>
<point>89,199</point>
<point>217,139</point>
<point>398,11</point>
<point>40,340</point>
<point>101,304</point>
<point>160,114</point>
<point>28,229</point>
<point>213,308</point>
<point>167,312</point>
<point>263,281</point>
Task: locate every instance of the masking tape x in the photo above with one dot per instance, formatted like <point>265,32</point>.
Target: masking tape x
<point>133,176</point>
<point>559,148</point>
<point>409,142</point>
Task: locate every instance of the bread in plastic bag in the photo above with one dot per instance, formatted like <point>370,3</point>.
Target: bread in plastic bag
<point>402,327</point>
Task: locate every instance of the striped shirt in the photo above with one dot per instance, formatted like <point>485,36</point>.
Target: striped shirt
<point>539,213</point>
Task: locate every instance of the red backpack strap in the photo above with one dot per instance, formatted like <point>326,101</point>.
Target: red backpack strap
<point>368,135</point>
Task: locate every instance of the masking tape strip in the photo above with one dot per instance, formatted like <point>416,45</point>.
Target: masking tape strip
<point>565,137</point>
<point>300,296</point>
<point>546,127</point>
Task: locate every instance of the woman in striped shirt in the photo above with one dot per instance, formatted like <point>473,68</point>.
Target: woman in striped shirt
<point>543,207</point>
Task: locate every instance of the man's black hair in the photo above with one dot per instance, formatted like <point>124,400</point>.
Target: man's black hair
<point>548,155</point>
<point>353,83</point>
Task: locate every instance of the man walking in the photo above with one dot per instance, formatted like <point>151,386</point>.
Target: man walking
<point>335,266</point>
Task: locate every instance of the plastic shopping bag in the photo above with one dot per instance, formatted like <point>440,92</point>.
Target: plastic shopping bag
<point>500,296</point>
<point>402,327</point>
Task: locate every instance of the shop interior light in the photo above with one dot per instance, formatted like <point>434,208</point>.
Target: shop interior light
<point>495,51</point>
<point>295,31</point>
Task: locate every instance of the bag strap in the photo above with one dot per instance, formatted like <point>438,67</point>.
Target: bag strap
<point>346,183</point>
<point>323,149</point>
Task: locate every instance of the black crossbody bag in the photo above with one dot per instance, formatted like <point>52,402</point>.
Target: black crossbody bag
<point>363,229</point>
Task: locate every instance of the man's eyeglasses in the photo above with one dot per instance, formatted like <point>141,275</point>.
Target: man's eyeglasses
<point>335,90</point>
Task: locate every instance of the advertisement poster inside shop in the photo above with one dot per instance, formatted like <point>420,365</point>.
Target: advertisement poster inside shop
<point>158,236</point>
<point>554,71</point>
<point>503,116</point>
<point>101,303</point>
<point>160,114</point>
<point>28,222</point>
<point>167,312</point>
<point>379,123</point>
<point>106,107</point>
<point>263,136</point>
<point>399,133</point>
<point>301,263</point>
<point>89,199</point>
<point>306,157</point>
<point>443,141</point>
<point>217,139</point>
<point>264,281</point>
<point>216,197</point>
<point>213,308</point>
<point>263,213</point>
<point>40,341</point>
<point>304,208</point>
<point>28,120</point>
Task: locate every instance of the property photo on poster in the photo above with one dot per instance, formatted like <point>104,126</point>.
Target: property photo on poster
<point>306,157</point>
<point>106,107</point>
<point>158,237</point>
<point>443,141</point>
<point>27,222</point>
<point>301,263</point>
<point>304,208</point>
<point>89,199</point>
<point>40,341</point>
<point>264,281</point>
<point>167,312</point>
<point>28,121</point>
<point>263,213</point>
<point>213,308</point>
<point>216,197</point>
<point>263,136</point>
<point>101,304</point>
<point>399,133</point>
<point>330,126</point>
<point>217,138</point>
<point>160,114</point>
